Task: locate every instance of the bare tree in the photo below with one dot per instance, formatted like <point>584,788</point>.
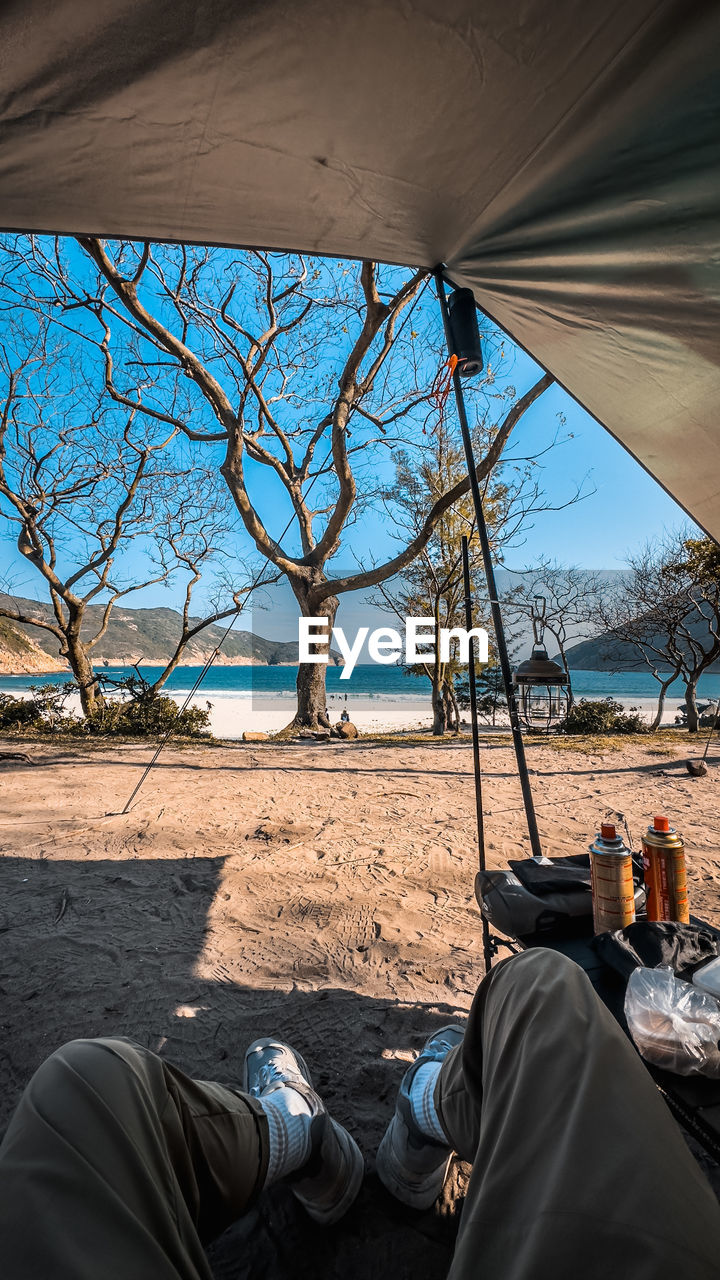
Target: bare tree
<point>636,619</point>
<point>80,489</point>
<point>284,366</point>
<point>433,583</point>
<point>693,570</point>
<point>572,596</point>
<point>668,609</point>
<point>432,587</point>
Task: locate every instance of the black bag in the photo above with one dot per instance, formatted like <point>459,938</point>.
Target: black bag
<point>552,897</point>
<point>513,909</point>
<point>649,943</point>
<point>558,875</point>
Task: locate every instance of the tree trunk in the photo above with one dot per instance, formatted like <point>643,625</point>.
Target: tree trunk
<point>439,709</point>
<point>453,711</point>
<point>437,696</point>
<point>91,697</point>
<point>664,686</point>
<point>566,669</point>
<point>311,689</point>
<point>455,707</point>
<point>312,697</point>
<point>691,706</point>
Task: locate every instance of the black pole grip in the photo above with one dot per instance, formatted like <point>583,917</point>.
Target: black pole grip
<point>465,332</point>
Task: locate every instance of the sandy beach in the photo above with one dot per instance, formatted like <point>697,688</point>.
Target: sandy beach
<point>323,893</point>
<point>232,714</point>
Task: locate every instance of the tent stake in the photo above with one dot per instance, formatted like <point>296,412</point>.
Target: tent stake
<point>492,589</point>
<point>487,945</point>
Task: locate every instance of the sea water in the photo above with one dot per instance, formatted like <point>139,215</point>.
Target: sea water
<point>368,681</point>
<point>376,697</point>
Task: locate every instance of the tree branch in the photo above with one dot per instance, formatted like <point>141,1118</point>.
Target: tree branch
<point>374,576</point>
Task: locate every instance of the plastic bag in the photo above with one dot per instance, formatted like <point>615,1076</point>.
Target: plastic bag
<point>673,1024</point>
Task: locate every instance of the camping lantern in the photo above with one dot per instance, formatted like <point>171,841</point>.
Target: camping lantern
<point>542,686</point>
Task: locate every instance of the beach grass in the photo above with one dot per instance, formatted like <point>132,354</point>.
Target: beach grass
<point>662,743</point>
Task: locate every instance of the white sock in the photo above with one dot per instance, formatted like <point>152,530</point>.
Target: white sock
<point>422,1102</point>
<point>288,1117</point>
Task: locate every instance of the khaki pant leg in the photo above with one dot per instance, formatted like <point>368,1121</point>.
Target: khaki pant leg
<point>579,1170</point>
<point>116,1164</point>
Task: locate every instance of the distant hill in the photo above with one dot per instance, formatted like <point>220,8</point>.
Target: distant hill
<point>139,635</point>
<point>603,653</point>
<point>19,654</point>
<point>606,653</point>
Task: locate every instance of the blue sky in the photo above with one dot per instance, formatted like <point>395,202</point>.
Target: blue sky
<point>621,509</point>
<point>624,508</point>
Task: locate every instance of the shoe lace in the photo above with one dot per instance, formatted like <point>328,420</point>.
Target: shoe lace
<point>269,1074</point>
<point>443,1044</point>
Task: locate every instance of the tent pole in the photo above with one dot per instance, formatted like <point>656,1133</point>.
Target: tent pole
<point>492,589</point>
<point>487,946</point>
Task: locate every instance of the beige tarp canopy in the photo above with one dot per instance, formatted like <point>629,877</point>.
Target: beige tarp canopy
<point>558,156</point>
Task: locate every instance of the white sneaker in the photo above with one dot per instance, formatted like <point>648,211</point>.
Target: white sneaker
<point>329,1181</point>
<point>412,1166</point>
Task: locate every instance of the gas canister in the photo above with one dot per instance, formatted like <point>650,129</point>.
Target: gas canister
<point>611,872</point>
<point>664,871</point>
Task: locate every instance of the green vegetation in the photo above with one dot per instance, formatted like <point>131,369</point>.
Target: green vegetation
<point>19,713</point>
<point>13,640</point>
<point>142,713</point>
<point>490,692</point>
<point>605,716</point>
<point>44,712</point>
<point>148,714</point>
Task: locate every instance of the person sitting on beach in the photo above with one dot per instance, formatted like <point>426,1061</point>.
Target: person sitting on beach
<point>116,1163</point>
<point>344,717</point>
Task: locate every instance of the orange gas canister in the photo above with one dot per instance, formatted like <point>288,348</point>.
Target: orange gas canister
<point>665,876</point>
<point>611,873</point>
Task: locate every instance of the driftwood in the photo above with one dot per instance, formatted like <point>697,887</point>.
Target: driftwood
<point>16,757</point>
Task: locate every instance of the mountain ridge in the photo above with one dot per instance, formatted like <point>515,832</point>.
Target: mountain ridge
<point>605,652</point>
<point>133,636</point>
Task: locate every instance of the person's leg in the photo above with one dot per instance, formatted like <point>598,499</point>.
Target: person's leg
<point>117,1164</point>
<point>413,1157</point>
<point>321,1161</point>
<point>578,1167</point>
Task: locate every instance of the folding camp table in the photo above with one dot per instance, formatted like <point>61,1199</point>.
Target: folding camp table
<point>693,1100</point>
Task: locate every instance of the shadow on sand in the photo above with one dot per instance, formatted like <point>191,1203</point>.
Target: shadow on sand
<point>112,947</point>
